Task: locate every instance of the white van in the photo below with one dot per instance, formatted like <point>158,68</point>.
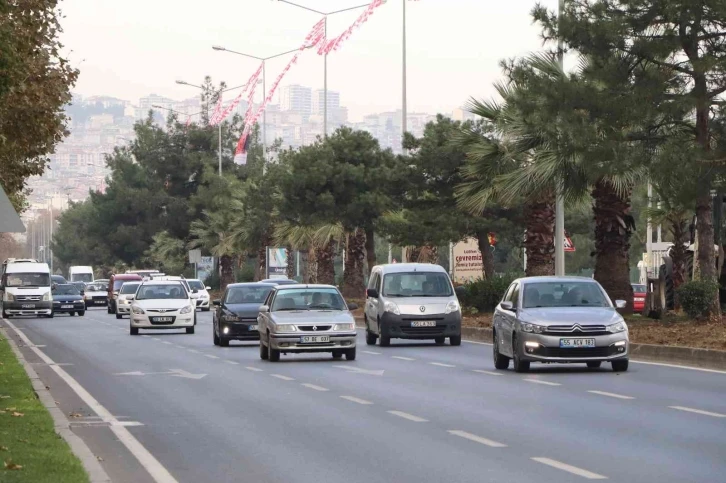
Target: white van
<point>411,301</point>
<point>25,288</point>
<point>80,274</point>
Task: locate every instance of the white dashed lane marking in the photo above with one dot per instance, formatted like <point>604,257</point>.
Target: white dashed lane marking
<point>194,351</point>
<point>314,387</point>
<point>284,378</point>
<point>410,417</point>
<point>490,373</point>
<point>440,364</point>
<point>253,369</point>
<point>232,362</point>
<point>570,469</point>
<point>477,439</point>
<point>546,383</point>
<point>610,394</point>
<point>402,358</point>
<point>167,342</point>
<point>372,353</point>
<point>356,400</point>
<point>211,356</point>
<point>698,411</point>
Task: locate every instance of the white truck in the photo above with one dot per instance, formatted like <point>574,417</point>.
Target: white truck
<point>25,288</point>
<point>80,274</point>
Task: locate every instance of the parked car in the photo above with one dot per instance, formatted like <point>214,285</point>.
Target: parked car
<point>123,304</point>
<point>203,301</point>
<point>279,281</point>
<point>306,319</point>
<point>639,293</point>
<point>235,314</point>
<point>411,301</point>
<point>559,319</point>
<point>114,285</point>
<point>96,295</point>
<point>162,304</point>
<point>68,299</point>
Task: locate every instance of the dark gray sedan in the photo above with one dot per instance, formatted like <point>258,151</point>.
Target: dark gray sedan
<point>306,319</point>
<point>235,314</point>
<point>559,320</point>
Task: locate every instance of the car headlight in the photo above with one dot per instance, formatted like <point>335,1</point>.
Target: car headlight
<point>186,309</point>
<point>230,318</point>
<point>137,310</point>
<point>452,306</point>
<point>10,297</point>
<point>534,328</point>
<point>392,308</point>
<point>619,327</point>
<point>285,328</point>
<point>123,301</point>
<point>47,297</point>
<point>344,327</point>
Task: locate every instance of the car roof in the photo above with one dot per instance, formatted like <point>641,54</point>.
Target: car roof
<point>250,284</point>
<point>411,267</point>
<point>126,276</point>
<point>279,281</point>
<point>161,282</point>
<point>551,278</point>
<point>305,285</point>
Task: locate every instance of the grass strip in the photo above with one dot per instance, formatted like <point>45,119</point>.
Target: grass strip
<point>30,449</point>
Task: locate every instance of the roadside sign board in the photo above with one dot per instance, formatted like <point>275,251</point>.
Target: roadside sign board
<point>195,256</point>
<point>569,246</point>
<point>468,263</point>
<point>205,267</point>
<point>276,262</point>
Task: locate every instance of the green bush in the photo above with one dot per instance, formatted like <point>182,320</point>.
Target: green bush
<point>484,295</point>
<point>246,273</point>
<point>696,297</point>
<point>213,280</point>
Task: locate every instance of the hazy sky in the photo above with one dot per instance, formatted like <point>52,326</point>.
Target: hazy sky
<point>132,48</point>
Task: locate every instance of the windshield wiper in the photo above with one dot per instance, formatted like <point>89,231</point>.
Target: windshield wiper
<point>395,295</point>
<point>289,310</point>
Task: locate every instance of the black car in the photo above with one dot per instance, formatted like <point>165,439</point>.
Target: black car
<point>280,281</point>
<point>68,299</point>
<point>235,314</point>
<point>58,279</point>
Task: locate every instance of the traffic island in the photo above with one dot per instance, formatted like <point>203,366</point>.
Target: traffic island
<point>31,451</point>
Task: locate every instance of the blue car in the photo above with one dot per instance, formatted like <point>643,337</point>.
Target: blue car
<point>67,299</point>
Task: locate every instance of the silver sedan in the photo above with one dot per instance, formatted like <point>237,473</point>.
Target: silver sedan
<point>306,319</point>
<point>559,320</point>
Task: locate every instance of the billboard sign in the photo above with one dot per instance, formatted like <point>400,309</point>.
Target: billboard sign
<point>276,263</point>
<point>468,263</point>
<point>205,267</point>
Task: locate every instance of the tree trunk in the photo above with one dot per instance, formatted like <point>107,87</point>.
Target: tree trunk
<point>539,239</point>
<point>290,269</point>
<point>311,267</point>
<point>679,230</point>
<point>428,254</point>
<point>412,254</point>
<point>370,249</point>
<point>226,264</point>
<point>353,285</point>
<point>262,256</point>
<point>325,257</point>
<point>612,242</point>
<point>487,254</point>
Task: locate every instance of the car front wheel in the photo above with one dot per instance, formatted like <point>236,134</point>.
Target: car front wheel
<point>455,340</point>
<point>500,361</point>
<point>620,365</point>
<point>274,354</point>
<point>134,330</point>
<point>264,354</point>
<point>519,364</point>
<point>371,338</point>
<point>81,313</point>
<point>190,330</point>
<point>350,354</point>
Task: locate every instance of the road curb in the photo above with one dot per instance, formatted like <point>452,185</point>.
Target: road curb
<point>96,473</point>
<point>687,356</point>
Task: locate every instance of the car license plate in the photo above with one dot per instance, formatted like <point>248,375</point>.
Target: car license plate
<point>163,319</point>
<point>100,301</point>
<point>312,339</point>
<point>573,343</point>
<point>28,306</point>
<point>424,323</point>
<point>253,327</point>
<point>66,306</point>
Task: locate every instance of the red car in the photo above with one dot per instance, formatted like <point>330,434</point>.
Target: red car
<point>639,292</point>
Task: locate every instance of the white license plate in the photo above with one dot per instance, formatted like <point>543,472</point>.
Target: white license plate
<point>163,319</point>
<point>253,327</point>
<point>100,302</point>
<point>424,323</point>
<point>572,343</point>
<point>28,306</point>
<point>639,299</point>
<point>312,339</point>
<point>66,306</point>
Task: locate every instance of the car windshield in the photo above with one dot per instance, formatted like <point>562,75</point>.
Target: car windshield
<point>165,291</point>
<point>637,288</point>
<point>28,280</point>
<point>308,299</point>
<point>82,277</point>
<point>247,295</point>
<point>195,285</point>
<point>128,288</point>
<point>66,290</point>
<point>417,284</point>
<point>96,287</point>
<point>563,294</point>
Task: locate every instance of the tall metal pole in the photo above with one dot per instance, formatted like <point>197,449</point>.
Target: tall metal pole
<point>325,83</point>
<point>220,148</point>
<point>560,202</point>
<point>264,115</point>
<point>404,114</point>
<point>51,236</point>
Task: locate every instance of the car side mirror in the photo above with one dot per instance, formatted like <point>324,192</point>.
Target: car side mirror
<point>264,309</point>
<point>372,293</point>
<point>217,302</point>
<point>131,297</point>
<point>509,306</point>
<point>195,291</point>
<point>620,304</point>
<point>352,306</point>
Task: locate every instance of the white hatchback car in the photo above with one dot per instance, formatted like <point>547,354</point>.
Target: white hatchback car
<point>161,304</point>
<point>203,301</point>
<point>123,304</point>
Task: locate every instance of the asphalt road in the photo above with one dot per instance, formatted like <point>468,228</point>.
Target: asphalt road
<point>409,413</point>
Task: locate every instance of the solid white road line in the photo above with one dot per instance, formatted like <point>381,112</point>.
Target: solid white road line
<point>372,353</point>
<point>490,373</point>
<point>477,343</point>
<point>402,358</point>
<point>145,458</point>
<point>253,369</point>
<point>232,362</point>
<point>211,356</point>
<point>698,411</point>
<point>477,439</point>
<point>546,383</point>
<point>570,469</point>
<point>677,366</point>
<point>356,400</point>
<point>440,364</point>
<point>410,417</point>
<point>314,387</point>
<point>611,394</point>
<point>284,378</point>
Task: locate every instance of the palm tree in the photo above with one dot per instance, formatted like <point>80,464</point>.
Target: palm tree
<point>168,252</point>
<point>319,242</point>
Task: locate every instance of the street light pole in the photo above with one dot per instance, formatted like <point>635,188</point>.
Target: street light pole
<point>404,113</point>
<point>559,202</point>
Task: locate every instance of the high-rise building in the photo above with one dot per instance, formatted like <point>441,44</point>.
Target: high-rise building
<point>319,101</point>
<point>146,103</point>
<point>297,99</point>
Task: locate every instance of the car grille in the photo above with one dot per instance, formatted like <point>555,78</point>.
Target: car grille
<point>577,353</point>
<point>161,311</point>
<point>438,330</point>
<point>576,329</point>
<point>100,297</point>
<point>27,298</point>
<point>320,328</point>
